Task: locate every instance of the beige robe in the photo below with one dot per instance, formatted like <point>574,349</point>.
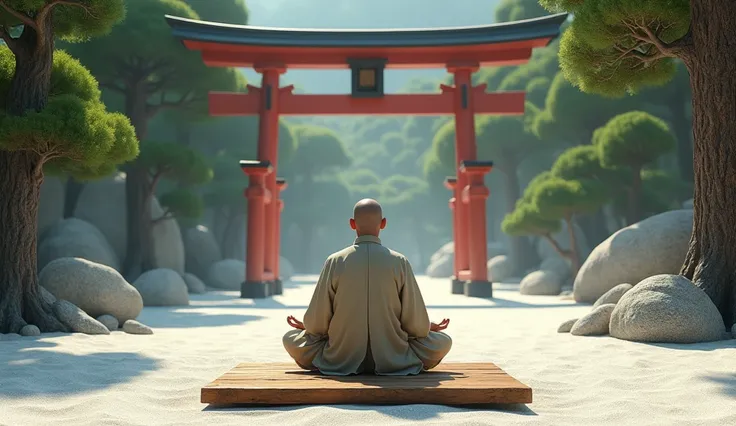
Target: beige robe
<point>367,315</point>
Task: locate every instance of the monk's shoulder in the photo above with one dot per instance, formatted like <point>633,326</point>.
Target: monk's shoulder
<point>339,256</point>
<point>396,256</point>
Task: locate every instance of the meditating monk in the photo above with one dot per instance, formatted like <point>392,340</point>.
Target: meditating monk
<point>367,314</point>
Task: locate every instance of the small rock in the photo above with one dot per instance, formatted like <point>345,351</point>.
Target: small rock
<point>109,321</point>
<point>226,274</point>
<point>30,330</point>
<point>500,268</point>
<point>541,283</point>
<point>595,323</point>
<point>77,319</point>
<point>566,326</point>
<point>134,327</point>
<point>666,309</point>
<point>194,284</point>
<point>613,295</point>
<point>162,287</point>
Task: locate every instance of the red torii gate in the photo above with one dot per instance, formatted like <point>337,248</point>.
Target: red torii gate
<point>271,51</point>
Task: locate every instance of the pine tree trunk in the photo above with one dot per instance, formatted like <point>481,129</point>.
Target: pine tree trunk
<point>139,249</point>
<point>634,208</point>
<point>72,192</point>
<point>523,254</point>
<point>21,176</point>
<point>711,258</point>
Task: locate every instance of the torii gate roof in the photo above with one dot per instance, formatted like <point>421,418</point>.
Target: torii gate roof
<point>507,43</point>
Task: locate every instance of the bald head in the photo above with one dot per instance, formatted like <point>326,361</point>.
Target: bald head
<point>367,217</point>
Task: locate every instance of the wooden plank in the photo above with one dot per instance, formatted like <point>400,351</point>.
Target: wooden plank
<point>285,384</point>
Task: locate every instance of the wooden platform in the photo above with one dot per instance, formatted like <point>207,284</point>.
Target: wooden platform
<point>286,384</point>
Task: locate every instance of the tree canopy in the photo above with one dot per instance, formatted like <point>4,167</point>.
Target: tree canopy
<point>614,47</point>
<point>74,134</point>
<point>634,138</point>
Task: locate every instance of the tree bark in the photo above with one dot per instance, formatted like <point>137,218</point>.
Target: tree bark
<point>574,251</point>
<point>72,192</point>
<point>711,258</point>
<point>522,251</point>
<point>21,176</point>
<point>634,208</point>
<point>139,249</point>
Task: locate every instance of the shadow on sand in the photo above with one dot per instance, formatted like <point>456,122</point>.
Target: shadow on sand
<point>32,369</point>
<point>189,317</point>
<point>727,382</point>
<point>414,412</point>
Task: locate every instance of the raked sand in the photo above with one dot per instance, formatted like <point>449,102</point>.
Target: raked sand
<point>124,379</point>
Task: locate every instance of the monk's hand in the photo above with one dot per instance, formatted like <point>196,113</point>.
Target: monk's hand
<point>439,327</point>
<point>295,322</point>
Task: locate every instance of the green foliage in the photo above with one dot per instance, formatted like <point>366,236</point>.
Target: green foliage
<point>608,48</point>
<point>506,139</point>
<point>182,203</point>
<point>560,198</point>
<point>318,148</point>
<point>72,21</point>
<point>571,116</point>
<point>74,133</point>
<point>393,143</point>
<point>226,11</point>
<point>361,177</point>
<point>662,191</point>
<point>527,220</point>
<point>517,10</point>
<point>175,162</point>
<point>537,89</point>
<point>584,162</point>
<point>633,139</point>
<point>443,149</point>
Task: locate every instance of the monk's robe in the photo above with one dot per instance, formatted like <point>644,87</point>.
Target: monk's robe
<point>367,315</point>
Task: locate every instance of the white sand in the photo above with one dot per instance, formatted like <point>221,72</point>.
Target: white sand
<point>124,379</point>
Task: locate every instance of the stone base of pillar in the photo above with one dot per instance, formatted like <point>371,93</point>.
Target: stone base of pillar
<point>482,289</point>
<point>255,290</point>
<point>277,287</point>
<point>458,286</point>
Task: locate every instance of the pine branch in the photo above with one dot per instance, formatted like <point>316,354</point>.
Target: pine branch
<point>49,7</point>
<point>22,17</point>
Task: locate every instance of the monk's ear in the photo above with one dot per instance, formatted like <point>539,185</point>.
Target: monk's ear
<point>352,223</point>
<point>383,223</point>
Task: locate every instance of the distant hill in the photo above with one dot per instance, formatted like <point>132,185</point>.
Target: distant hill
<point>365,14</point>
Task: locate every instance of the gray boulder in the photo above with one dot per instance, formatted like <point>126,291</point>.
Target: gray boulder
<point>30,330</point>
<point>77,320</point>
<point>500,268</point>
<point>595,323</point>
<point>441,263</point>
<point>48,297</point>
<point>566,326</point>
<point>656,245</point>
<point>162,287</point>
<point>134,327</point>
<point>613,295</point>
<point>76,238</point>
<point>96,289</point>
<point>666,309</point>
<point>51,203</point>
<point>201,250</point>
<point>103,204</point>
<point>557,265</point>
<point>109,321</point>
<point>541,283</point>
<point>226,274</point>
<point>194,284</point>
